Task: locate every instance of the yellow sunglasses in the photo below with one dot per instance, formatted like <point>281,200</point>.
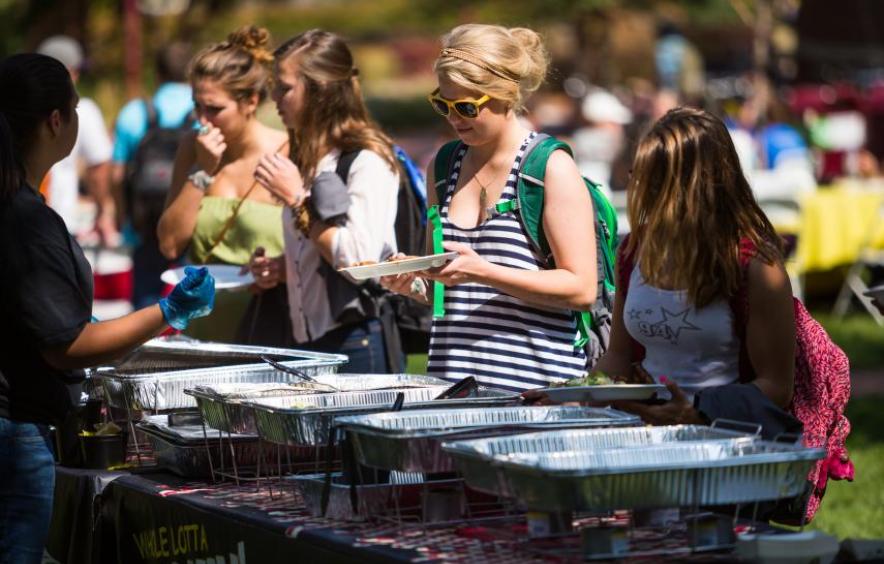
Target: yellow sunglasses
<point>465,107</point>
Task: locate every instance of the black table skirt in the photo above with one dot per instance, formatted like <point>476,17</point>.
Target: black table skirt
<point>158,518</point>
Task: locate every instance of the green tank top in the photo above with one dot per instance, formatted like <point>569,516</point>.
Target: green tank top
<point>257,225</point>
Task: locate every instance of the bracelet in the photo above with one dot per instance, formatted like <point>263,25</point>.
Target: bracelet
<point>418,290</point>
<point>302,219</point>
<point>201,180</point>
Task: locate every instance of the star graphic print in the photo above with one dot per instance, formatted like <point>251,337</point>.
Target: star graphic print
<point>669,327</point>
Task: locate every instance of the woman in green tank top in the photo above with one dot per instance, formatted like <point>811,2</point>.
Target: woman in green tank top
<point>215,211</point>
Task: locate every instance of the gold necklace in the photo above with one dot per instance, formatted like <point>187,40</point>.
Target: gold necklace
<point>483,196</point>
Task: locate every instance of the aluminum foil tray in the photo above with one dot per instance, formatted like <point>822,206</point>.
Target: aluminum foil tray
<point>185,451</point>
<point>722,472</point>
<point>325,383</point>
<point>411,441</point>
<point>472,458</point>
<point>223,408</point>
<point>165,390</point>
<point>178,352</point>
<point>307,419</point>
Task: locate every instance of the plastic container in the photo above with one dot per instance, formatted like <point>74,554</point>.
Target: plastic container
<point>103,451</point>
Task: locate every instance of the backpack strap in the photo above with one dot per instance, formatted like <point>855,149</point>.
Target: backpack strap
<point>153,118</point>
<point>739,305</point>
<point>529,203</point>
<point>345,162</point>
<point>441,174</point>
<point>442,168</point>
<point>530,190</point>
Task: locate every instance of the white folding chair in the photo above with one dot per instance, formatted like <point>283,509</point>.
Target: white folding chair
<point>854,285</point>
<point>787,213</point>
<point>779,192</point>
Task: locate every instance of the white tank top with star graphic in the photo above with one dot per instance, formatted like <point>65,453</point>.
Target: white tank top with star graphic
<point>697,348</point>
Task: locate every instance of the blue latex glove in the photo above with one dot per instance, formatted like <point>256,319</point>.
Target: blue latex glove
<point>191,298</point>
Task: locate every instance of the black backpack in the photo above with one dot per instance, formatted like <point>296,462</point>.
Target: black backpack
<point>149,172</point>
<point>412,319</point>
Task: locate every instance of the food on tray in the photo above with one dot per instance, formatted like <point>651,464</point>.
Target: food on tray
<point>406,257</point>
<point>597,378</point>
<point>391,259</point>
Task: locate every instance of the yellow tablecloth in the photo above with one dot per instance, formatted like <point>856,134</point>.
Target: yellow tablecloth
<point>835,222</point>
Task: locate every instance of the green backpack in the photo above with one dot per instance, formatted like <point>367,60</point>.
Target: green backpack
<point>593,326</point>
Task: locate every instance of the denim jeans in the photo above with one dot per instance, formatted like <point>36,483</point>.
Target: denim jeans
<point>27,480</point>
<point>363,342</point>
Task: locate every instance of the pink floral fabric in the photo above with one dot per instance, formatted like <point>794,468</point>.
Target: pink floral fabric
<point>822,389</point>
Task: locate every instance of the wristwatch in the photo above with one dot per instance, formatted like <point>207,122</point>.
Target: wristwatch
<point>201,179</point>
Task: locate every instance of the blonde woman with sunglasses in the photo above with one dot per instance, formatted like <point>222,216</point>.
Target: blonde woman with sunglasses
<point>507,318</point>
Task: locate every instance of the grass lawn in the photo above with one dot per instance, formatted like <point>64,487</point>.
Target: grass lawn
<point>860,337</point>
<point>417,364</point>
<point>857,509</point>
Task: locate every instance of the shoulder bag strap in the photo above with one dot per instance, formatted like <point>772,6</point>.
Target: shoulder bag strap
<point>442,168</point>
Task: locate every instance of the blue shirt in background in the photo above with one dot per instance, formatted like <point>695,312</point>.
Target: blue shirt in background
<point>781,141</point>
<point>172,102</point>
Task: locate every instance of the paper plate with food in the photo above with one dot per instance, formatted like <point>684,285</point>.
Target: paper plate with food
<point>370,269</point>
<point>599,387</point>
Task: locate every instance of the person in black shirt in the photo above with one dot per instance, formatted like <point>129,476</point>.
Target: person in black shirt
<point>46,337</point>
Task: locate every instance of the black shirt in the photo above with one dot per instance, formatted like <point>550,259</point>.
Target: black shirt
<point>45,301</point>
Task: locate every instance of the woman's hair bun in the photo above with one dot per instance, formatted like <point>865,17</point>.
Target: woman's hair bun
<point>535,59</point>
<point>253,39</point>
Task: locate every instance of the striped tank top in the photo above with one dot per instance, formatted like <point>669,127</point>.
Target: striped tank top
<point>501,340</point>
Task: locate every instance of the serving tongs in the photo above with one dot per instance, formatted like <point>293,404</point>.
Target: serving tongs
<point>300,374</point>
<point>462,389</point>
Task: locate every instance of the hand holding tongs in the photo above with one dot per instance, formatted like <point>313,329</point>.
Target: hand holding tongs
<point>297,373</point>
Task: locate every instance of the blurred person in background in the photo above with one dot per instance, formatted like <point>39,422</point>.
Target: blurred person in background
<point>46,338</point>
<point>216,208</point>
<point>773,153</point>
<point>508,310</point>
<point>332,219</point>
<point>146,137</point>
<point>598,144</point>
<point>839,136</point>
<point>92,152</point>
<point>679,64</point>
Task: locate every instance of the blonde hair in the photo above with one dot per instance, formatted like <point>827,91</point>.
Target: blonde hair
<point>335,115</point>
<point>241,64</point>
<point>508,64</point>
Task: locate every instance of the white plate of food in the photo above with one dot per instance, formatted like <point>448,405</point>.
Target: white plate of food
<point>400,266</point>
<point>227,276</point>
<point>598,387</point>
<point>606,392</point>
<point>876,293</point>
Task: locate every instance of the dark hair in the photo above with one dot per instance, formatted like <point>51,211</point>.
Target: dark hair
<point>34,86</point>
<point>172,61</point>
<point>335,115</point>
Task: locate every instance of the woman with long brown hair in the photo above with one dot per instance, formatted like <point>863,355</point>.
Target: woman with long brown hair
<point>340,185</point>
<point>699,242</point>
